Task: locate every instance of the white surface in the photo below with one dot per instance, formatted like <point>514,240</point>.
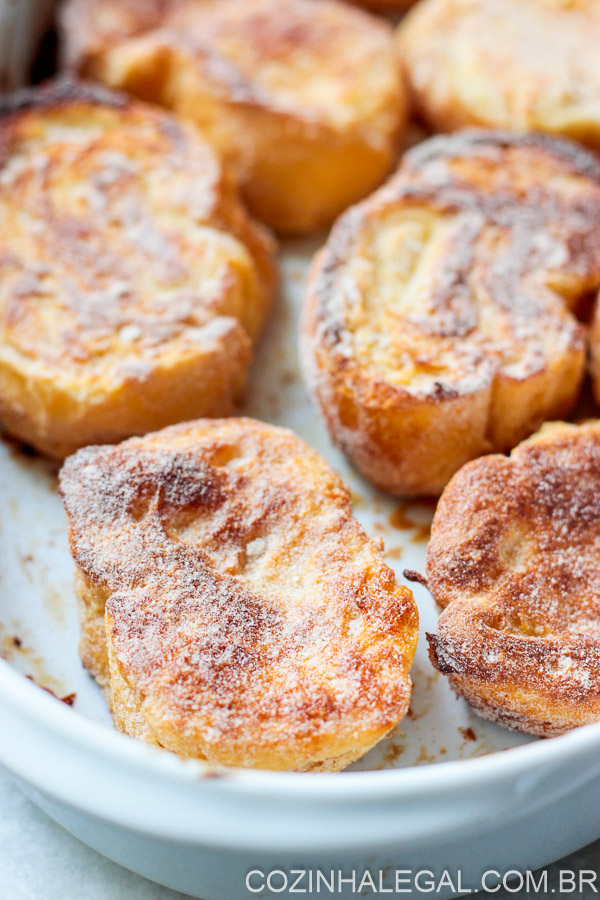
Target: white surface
<point>40,861</point>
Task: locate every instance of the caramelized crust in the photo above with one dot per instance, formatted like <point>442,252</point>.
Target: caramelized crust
<point>506,64</point>
<point>303,98</point>
<point>132,283</point>
<point>249,621</point>
<point>513,561</point>
<point>438,322</point>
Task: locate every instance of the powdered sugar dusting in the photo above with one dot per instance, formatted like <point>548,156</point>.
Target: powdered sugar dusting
<point>121,241</point>
<point>234,563</point>
<point>466,255</point>
<point>514,561</point>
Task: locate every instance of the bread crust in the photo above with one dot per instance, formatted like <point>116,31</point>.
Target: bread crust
<point>505,64</point>
<point>236,610</point>
<point>437,324</point>
<point>512,561</point>
<point>303,99</point>
<point>133,284</point>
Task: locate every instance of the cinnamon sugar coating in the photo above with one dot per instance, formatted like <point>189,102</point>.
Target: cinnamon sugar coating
<point>132,282</point>
<point>248,620</point>
<point>513,562</point>
<point>518,64</point>
<point>303,99</point>
<point>439,320</point>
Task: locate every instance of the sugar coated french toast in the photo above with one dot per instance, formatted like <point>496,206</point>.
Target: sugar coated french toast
<point>132,282</point>
<point>522,64</point>
<point>439,319</point>
<point>513,561</point>
<point>236,610</point>
<point>303,99</point>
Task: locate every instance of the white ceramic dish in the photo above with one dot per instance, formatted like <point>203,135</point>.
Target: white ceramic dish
<point>429,804</point>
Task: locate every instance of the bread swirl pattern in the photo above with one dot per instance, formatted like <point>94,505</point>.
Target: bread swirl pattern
<point>133,284</point>
<point>439,321</point>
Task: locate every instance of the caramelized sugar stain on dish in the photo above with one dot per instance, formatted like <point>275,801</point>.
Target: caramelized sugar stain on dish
<point>439,318</point>
<point>513,562</point>
<point>506,64</point>
<point>230,602</point>
<point>304,99</point>
<point>133,284</point>
<point>415,518</point>
<point>17,650</point>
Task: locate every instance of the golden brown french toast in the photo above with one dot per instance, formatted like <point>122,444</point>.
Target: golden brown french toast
<point>438,323</point>
<point>522,64</point>
<point>513,561</point>
<point>132,282</point>
<point>304,99</point>
<point>248,619</point>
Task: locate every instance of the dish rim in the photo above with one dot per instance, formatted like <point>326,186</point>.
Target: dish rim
<point>47,710</point>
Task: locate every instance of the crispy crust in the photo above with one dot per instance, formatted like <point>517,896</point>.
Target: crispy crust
<point>132,283</point>
<point>304,99</point>
<point>248,620</point>
<point>505,64</point>
<point>513,562</point>
<point>437,323</point>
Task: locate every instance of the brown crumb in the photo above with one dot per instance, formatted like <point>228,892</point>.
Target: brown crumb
<point>410,575</point>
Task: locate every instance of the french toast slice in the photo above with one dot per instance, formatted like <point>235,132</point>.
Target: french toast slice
<point>513,562</point>
<point>132,282</point>
<point>236,610</point>
<point>530,65</point>
<point>439,318</point>
<point>303,99</point>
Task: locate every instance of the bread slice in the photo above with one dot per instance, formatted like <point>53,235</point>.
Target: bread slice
<point>236,609</point>
<point>530,65</point>
<point>132,282</point>
<point>513,562</point>
<point>439,321</point>
<point>305,99</point>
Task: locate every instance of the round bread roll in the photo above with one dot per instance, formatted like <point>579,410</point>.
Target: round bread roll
<point>438,322</point>
<point>513,561</point>
<point>518,64</point>
<point>304,99</point>
<point>232,605</point>
<point>132,282</point>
